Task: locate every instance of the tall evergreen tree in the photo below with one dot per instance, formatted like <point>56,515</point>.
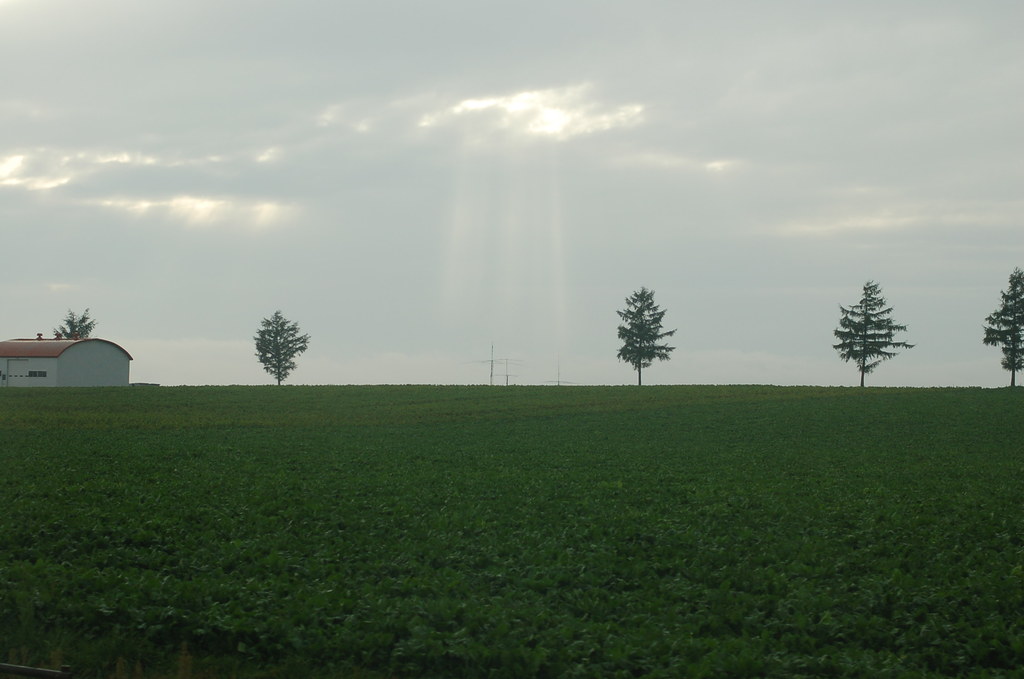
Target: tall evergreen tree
<point>278,342</point>
<point>866,332</point>
<point>641,332</point>
<point>1005,326</point>
<point>75,326</point>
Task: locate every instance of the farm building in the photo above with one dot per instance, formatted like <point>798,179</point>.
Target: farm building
<point>39,362</point>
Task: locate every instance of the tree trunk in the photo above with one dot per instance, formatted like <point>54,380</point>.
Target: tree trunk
<point>1013,378</point>
<point>639,378</point>
<point>862,377</point>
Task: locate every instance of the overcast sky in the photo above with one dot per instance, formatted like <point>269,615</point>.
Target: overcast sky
<point>413,182</point>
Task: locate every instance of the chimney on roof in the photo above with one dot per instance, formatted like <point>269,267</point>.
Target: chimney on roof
<point>39,335</point>
<point>57,336</point>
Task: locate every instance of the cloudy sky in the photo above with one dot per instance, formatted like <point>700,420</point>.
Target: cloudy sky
<point>414,182</point>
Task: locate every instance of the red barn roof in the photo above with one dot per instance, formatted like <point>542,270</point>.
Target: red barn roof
<point>46,348</point>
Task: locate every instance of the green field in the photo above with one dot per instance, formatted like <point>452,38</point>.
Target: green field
<point>513,532</point>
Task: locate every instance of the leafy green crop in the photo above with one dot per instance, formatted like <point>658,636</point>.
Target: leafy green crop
<point>510,532</point>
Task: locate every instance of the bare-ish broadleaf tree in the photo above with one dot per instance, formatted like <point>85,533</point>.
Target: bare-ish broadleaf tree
<point>641,333</point>
<point>866,332</point>
<point>1005,326</point>
<point>278,342</point>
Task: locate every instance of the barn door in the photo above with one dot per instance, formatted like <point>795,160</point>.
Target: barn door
<point>16,374</point>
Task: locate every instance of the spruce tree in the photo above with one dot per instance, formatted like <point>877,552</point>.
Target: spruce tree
<point>866,332</point>
<point>1005,326</point>
<point>641,332</point>
<point>75,326</point>
<point>278,342</point>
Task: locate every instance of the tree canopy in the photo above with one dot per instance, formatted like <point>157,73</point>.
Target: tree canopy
<point>866,332</point>
<point>1005,326</point>
<point>278,342</point>
<point>641,332</point>
<point>75,326</point>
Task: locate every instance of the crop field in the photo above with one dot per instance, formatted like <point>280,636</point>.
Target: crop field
<point>513,532</point>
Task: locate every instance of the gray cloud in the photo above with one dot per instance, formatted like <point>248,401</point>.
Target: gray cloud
<point>414,182</point>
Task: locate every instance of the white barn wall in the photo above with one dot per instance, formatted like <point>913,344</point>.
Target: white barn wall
<point>92,364</point>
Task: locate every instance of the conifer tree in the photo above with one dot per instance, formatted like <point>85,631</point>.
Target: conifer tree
<point>866,332</point>
<point>75,326</point>
<point>1005,326</point>
<point>641,332</point>
<point>278,342</point>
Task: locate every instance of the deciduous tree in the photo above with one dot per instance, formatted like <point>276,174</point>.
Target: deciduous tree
<point>1005,326</point>
<point>866,332</point>
<point>278,342</point>
<point>75,326</point>
<point>641,332</point>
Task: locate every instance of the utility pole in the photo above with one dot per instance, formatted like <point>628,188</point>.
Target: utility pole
<point>507,374</point>
<point>558,381</point>
<point>491,361</point>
